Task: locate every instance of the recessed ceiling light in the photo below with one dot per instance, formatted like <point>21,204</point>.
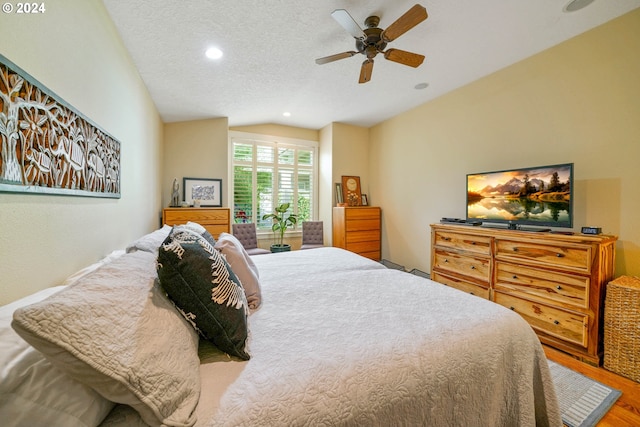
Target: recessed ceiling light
<point>213,53</point>
<point>286,114</point>
<point>420,86</point>
<point>574,5</point>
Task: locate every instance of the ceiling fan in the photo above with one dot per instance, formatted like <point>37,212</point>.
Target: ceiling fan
<point>373,40</point>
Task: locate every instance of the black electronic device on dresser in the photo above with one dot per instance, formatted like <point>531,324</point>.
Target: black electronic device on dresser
<point>540,196</point>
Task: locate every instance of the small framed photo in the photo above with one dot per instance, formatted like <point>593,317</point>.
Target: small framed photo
<point>202,192</point>
<point>338,193</point>
<point>365,201</point>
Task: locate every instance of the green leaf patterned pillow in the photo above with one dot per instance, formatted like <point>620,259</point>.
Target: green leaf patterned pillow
<point>204,288</point>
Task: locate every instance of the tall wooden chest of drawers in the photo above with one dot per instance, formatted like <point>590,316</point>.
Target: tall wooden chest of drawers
<point>357,229</point>
<point>555,282</point>
<point>215,220</point>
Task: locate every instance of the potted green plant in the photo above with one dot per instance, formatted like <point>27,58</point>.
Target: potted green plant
<point>281,222</point>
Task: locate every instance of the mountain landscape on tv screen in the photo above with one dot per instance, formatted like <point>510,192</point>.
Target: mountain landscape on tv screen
<point>536,195</point>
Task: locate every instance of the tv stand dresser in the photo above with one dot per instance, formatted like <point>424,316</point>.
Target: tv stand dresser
<point>556,282</point>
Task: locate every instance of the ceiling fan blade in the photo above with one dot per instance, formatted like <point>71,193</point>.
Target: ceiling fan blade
<point>403,57</point>
<point>335,57</point>
<point>410,19</point>
<point>348,23</point>
<point>366,70</point>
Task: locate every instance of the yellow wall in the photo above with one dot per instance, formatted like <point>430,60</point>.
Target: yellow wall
<point>75,51</point>
<point>280,130</point>
<point>326,193</point>
<point>195,149</point>
<point>577,102</point>
<point>350,154</point>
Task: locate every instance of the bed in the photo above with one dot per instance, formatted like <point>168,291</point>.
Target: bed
<point>334,339</point>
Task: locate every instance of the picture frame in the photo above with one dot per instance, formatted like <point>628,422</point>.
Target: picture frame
<point>339,198</point>
<point>351,190</point>
<point>49,146</point>
<point>365,200</point>
<point>205,192</point>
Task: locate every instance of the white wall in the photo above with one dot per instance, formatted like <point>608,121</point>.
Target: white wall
<point>75,51</point>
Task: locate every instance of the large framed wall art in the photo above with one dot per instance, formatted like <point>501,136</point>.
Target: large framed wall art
<point>50,147</point>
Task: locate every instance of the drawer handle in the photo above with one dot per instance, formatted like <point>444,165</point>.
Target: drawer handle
<point>558,287</point>
<point>514,276</point>
<point>559,255</point>
<point>473,243</point>
<point>512,308</point>
<point>555,322</point>
<point>473,267</point>
<point>515,249</point>
<point>446,239</point>
<point>471,293</point>
<point>446,260</point>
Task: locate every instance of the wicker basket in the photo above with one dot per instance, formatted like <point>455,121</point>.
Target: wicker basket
<point>622,327</point>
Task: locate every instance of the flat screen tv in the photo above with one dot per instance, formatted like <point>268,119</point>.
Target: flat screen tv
<point>541,196</point>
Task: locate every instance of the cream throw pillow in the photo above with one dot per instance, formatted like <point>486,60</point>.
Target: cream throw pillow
<point>117,332</point>
<point>243,266</point>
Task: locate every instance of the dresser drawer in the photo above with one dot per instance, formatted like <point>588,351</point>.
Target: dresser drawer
<point>362,213</point>
<point>453,262</point>
<point>576,258</point>
<point>362,224</point>
<point>462,285</point>
<point>465,242</point>
<point>201,216</point>
<point>363,236</point>
<point>214,220</point>
<point>568,326</point>
<point>558,288</point>
<point>359,247</point>
<point>374,255</point>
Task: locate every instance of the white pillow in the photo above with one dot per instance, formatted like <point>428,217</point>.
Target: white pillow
<point>150,242</point>
<point>117,332</point>
<point>198,228</point>
<point>243,266</point>
<point>35,393</point>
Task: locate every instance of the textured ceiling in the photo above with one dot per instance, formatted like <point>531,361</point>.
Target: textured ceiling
<point>270,46</point>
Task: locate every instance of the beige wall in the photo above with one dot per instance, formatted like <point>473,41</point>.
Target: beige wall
<point>195,149</point>
<point>577,102</point>
<point>74,50</point>
<point>280,130</point>
<point>350,154</point>
<point>326,194</point>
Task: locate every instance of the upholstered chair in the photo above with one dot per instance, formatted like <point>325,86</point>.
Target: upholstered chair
<point>312,236</point>
<point>246,234</point>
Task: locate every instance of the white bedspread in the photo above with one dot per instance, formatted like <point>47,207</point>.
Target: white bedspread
<point>341,340</point>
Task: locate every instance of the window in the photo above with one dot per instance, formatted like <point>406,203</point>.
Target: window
<point>269,171</point>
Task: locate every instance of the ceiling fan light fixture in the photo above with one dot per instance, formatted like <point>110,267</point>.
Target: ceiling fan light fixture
<point>213,53</point>
<point>575,5</point>
<point>373,40</point>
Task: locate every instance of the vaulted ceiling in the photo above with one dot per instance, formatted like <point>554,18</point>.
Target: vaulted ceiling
<point>269,50</point>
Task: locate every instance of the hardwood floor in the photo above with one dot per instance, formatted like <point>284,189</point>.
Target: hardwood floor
<point>626,411</point>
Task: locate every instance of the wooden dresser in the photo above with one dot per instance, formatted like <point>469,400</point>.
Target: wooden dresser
<point>555,282</point>
<point>357,229</point>
<point>215,220</point>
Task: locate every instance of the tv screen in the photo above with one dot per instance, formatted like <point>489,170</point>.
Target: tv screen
<point>539,196</point>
